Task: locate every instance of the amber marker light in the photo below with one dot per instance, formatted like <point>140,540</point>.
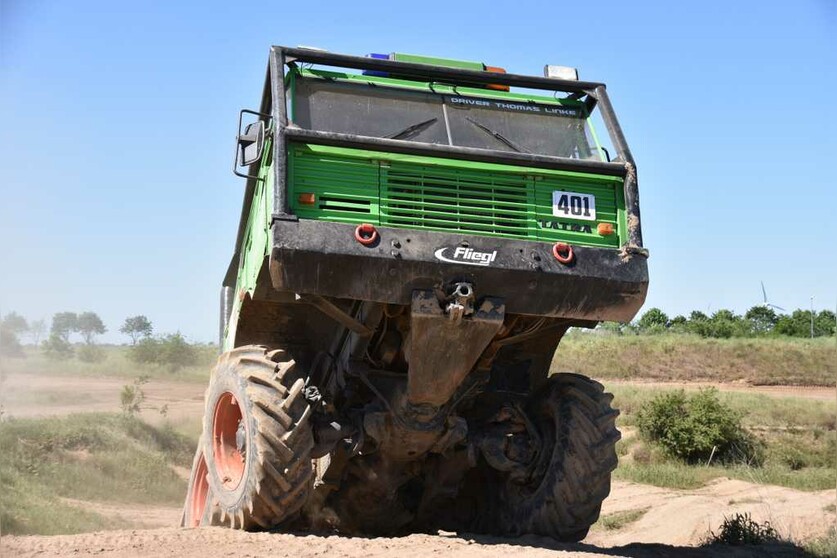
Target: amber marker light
<point>496,86</point>
<point>307,199</point>
<point>605,229</point>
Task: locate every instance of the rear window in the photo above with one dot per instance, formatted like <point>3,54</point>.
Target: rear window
<point>371,110</point>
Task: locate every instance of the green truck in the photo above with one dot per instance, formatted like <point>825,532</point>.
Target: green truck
<point>416,237</point>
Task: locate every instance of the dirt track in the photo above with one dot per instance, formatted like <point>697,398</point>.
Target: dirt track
<point>41,395</point>
<point>679,518</point>
<point>202,543</point>
<point>52,395</point>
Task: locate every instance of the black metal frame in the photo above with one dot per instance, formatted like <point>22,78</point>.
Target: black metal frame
<point>274,101</point>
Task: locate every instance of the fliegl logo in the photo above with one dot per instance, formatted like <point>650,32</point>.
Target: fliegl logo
<point>467,256</point>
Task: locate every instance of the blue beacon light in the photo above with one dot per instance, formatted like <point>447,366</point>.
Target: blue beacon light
<point>377,56</point>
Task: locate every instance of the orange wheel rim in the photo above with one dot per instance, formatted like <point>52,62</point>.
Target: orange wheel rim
<point>229,441</point>
<point>199,491</point>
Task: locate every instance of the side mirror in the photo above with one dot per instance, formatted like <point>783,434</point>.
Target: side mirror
<point>249,144</point>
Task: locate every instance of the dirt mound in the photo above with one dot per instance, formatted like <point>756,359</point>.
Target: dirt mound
<point>685,517</point>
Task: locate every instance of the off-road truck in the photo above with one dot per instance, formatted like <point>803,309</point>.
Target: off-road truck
<point>417,235</point>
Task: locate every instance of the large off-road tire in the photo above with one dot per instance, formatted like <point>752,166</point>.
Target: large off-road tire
<point>570,477</point>
<point>257,438</point>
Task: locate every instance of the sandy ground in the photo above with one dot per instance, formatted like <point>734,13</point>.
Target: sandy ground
<point>55,395</point>
<point>685,517</point>
<point>674,523</point>
<point>207,542</point>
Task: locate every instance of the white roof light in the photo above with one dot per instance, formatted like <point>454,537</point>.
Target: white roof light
<point>560,72</point>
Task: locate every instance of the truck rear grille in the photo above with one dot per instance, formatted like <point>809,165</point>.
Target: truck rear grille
<point>355,186</point>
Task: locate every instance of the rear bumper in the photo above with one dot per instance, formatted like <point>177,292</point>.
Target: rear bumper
<point>317,257</point>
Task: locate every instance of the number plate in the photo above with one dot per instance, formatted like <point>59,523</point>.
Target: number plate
<point>573,205</point>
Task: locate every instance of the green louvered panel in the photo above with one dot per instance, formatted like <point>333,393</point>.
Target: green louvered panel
<point>456,199</point>
<point>345,188</point>
<point>355,186</point>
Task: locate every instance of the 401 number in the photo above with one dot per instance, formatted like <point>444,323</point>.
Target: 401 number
<point>574,205</point>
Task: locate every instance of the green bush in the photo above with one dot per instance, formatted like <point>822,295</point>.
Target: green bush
<point>653,321</point>
<point>9,344</point>
<point>11,326</point>
<point>91,353</point>
<point>740,529</point>
<point>58,348</point>
<point>798,324</point>
<point>131,398</point>
<point>762,319</point>
<point>145,351</point>
<point>171,351</point>
<point>176,352</point>
<point>690,427</point>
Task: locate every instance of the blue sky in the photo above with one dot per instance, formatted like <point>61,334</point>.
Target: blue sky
<point>115,187</point>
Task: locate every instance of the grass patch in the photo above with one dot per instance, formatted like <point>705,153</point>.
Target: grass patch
<point>615,521</point>
<point>625,445</point>
<point>92,457</point>
<point>809,479</point>
<point>670,474</point>
<point>29,509</point>
<point>675,357</point>
<point>824,547</point>
<point>682,476</point>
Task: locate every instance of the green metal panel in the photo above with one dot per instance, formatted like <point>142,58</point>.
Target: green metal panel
<point>255,244</point>
<point>433,61</point>
<point>576,231</point>
<point>405,191</point>
<point>346,188</point>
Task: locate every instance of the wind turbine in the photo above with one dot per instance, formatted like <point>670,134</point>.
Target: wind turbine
<point>767,304</point>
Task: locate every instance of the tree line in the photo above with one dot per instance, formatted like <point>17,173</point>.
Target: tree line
<point>758,321</point>
<point>170,350</point>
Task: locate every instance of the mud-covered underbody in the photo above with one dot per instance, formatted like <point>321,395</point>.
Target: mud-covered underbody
<point>420,407</point>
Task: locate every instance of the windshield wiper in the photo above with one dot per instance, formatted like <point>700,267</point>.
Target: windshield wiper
<point>497,135</point>
<point>412,129</point>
